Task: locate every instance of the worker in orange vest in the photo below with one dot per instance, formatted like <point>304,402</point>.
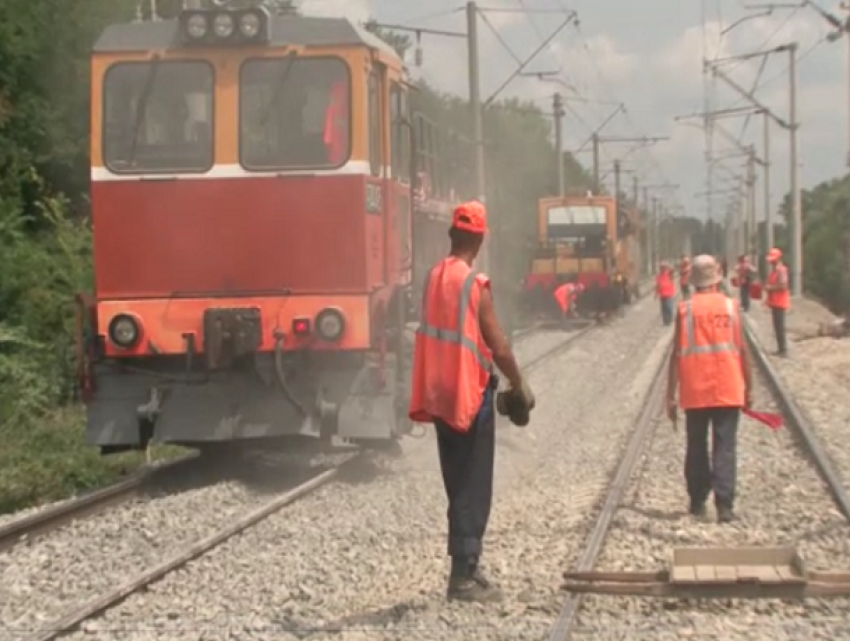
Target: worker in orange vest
<point>665,291</point>
<point>710,366</point>
<point>458,340</point>
<point>685,276</point>
<point>778,298</point>
<point>565,296</point>
<point>745,273</point>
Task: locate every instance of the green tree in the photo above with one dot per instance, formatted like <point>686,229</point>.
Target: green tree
<point>398,41</point>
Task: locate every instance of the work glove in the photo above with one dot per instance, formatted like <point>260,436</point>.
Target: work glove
<point>516,404</point>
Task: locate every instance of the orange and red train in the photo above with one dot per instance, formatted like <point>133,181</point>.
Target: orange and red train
<point>589,240</point>
<point>256,230</point>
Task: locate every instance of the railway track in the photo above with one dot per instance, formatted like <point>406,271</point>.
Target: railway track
<point>574,620</point>
<point>50,518</point>
<point>41,524</point>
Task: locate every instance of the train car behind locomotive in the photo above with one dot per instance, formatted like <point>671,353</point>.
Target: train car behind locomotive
<point>252,202</point>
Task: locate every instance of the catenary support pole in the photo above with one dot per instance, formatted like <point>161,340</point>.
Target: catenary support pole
<point>475,107</point>
<point>768,213</point>
<point>596,186</point>
<point>796,195</point>
<point>558,110</point>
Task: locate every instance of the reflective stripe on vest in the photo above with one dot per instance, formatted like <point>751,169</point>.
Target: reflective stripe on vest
<point>449,335</point>
<point>692,348</point>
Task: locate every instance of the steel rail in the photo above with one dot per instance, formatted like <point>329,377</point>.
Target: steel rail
<point>72,619</point>
<point>800,424</point>
<point>43,522</point>
<point>628,464</point>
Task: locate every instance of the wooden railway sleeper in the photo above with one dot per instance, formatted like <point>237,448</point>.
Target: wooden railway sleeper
<point>815,584</point>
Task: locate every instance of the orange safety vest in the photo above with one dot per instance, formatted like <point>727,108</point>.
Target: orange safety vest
<point>710,340</point>
<point>664,285</point>
<point>336,123</point>
<point>451,362</point>
<point>564,296</point>
<point>779,299</point>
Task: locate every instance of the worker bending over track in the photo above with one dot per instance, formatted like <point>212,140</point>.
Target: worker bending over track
<point>453,386</point>
<point>710,365</point>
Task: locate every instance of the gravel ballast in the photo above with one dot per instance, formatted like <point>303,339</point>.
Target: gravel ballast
<point>39,581</point>
<point>781,501</point>
<point>817,373</point>
<point>364,558</point>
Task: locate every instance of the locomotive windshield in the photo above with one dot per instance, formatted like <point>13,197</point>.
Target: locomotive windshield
<point>158,116</point>
<point>294,113</point>
<point>575,222</point>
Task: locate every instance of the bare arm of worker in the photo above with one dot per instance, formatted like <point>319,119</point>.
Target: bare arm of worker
<point>746,366</point>
<point>673,366</point>
<point>496,341</point>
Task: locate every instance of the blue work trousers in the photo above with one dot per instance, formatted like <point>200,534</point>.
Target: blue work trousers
<point>667,309</point>
<point>467,460</point>
<point>718,474</point>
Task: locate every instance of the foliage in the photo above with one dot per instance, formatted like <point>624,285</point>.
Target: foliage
<point>45,237</point>
<point>520,163</point>
<point>826,241</point>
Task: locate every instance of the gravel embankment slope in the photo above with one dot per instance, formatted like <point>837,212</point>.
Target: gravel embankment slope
<point>365,558</point>
<point>781,501</point>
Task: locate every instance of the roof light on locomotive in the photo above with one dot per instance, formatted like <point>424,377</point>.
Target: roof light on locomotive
<point>204,27</point>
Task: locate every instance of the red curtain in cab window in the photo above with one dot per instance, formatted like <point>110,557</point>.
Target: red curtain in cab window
<point>336,123</point>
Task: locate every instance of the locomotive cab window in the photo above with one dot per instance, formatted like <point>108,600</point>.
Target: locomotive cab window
<point>295,113</point>
<point>158,117</point>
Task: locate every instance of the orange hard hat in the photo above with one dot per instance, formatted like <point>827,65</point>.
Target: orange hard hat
<point>774,255</point>
<point>470,216</point>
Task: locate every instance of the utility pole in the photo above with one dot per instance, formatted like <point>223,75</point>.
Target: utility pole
<point>558,110</point>
<point>655,243</point>
<point>751,245</point>
<point>475,98</point>
<point>792,127</point>
<point>617,182</point>
<point>768,213</point>
<point>596,186</point>
<point>796,194</point>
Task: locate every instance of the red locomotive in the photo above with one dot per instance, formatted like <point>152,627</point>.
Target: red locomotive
<point>256,232</point>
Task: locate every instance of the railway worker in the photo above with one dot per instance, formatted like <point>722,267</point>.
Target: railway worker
<point>457,342</point>
<point>710,366</point>
<point>665,291</point>
<point>685,276</point>
<point>565,296</point>
<point>778,298</point>
<point>744,273</point>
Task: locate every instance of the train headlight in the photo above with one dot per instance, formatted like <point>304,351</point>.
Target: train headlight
<point>330,324</point>
<point>249,25</point>
<point>197,26</point>
<point>124,331</point>
<point>223,25</point>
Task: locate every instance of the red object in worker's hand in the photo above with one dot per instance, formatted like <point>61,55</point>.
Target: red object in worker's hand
<point>755,291</point>
<point>734,281</point>
<point>771,420</point>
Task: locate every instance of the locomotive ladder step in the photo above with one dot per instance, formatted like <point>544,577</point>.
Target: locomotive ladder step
<point>715,573</point>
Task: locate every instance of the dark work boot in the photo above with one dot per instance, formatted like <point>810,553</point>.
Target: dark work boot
<point>470,585</point>
<point>725,514</point>
<point>697,509</point>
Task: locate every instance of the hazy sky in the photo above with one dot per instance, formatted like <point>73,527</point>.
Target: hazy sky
<point>647,54</point>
